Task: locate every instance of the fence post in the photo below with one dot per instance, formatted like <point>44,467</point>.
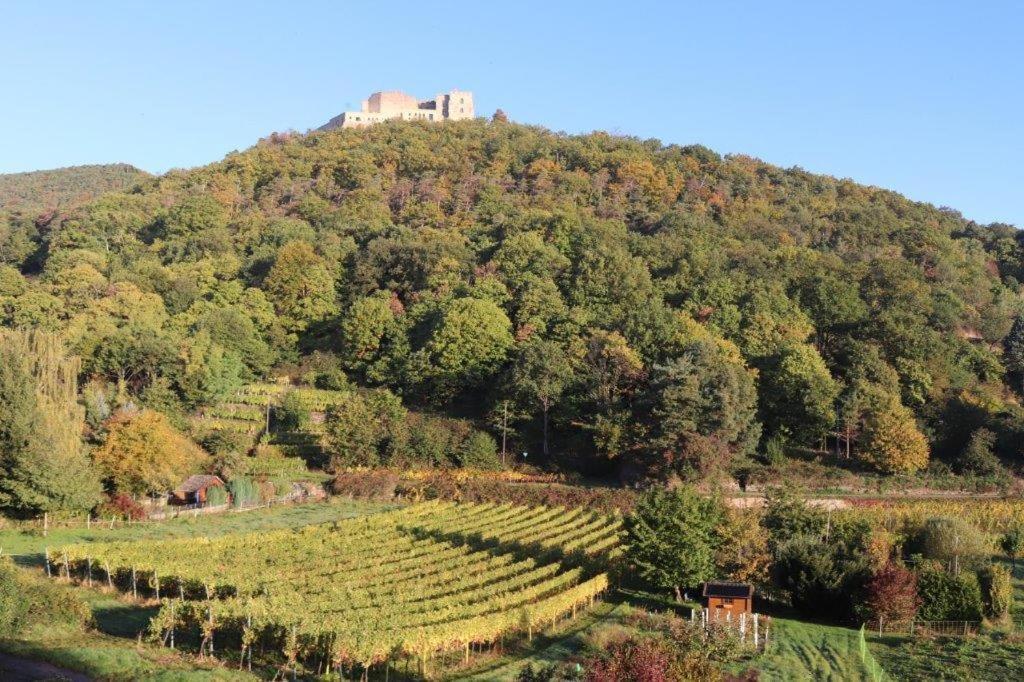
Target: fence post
<point>47,560</point>
<point>755,631</point>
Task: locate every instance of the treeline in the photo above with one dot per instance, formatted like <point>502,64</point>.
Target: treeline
<point>604,304</point>
<point>39,191</point>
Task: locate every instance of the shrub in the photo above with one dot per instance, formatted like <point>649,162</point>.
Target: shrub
<point>996,590</point>
<point>946,596</point>
<point>892,594</point>
<point>122,505</point>
<point>549,673</point>
<point>479,450</point>
<point>293,414</point>
<point>26,600</point>
<point>243,491</point>
<point>13,606</point>
<point>951,541</point>
<point>378,484</point>
<point>228,450</point>
<point>449,485</point>
<point>216,496</point>
<point>664,649</point>
<point>819,578</point>
<point>978,456</point>
<point>1013,542</point>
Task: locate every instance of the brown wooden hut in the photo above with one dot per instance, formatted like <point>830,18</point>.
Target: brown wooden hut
<point>721,598</point>
<point>193,489</point>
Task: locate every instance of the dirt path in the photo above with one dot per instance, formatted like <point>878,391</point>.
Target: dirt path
<point>14,669</point>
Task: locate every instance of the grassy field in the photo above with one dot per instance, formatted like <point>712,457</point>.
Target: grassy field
<point>951,658</point>
<point>112,649</point>
<point>28,546</point>
<point>564,643</point>
<point>800,650</point>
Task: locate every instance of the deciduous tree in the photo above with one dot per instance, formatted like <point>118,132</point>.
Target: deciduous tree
<point>672,540</point>
<point>43,463</point>
<point>892,594</point>
<point>300,286</point>
<point>143,454</point>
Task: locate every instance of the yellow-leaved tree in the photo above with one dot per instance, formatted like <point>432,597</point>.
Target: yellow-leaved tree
<point>144,454</point>
<point>891,440</point>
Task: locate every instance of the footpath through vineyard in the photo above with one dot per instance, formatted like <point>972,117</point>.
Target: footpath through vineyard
<point>394,589</point>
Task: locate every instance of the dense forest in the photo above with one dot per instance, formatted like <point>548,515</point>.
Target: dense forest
<point>39,191</point>
<point>608,305</point>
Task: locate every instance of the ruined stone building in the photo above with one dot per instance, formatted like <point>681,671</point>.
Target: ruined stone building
<point>454,105</point>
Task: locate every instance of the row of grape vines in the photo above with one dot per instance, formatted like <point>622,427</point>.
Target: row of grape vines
<point>409,583</point>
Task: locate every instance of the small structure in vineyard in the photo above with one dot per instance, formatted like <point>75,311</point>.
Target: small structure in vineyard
<point>194,489</point>
<point>726,600</point>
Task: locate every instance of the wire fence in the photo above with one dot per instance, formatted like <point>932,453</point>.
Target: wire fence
<point>945,628</point>
<point>874,670</point>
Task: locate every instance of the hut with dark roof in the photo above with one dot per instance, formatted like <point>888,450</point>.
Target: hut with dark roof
<point>723,598</point>
<point>193,489</point>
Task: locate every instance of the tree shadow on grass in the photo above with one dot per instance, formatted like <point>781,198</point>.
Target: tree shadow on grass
<point>122,620</point>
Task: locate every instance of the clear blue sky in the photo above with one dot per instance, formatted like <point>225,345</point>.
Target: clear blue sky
<point>926,98</point>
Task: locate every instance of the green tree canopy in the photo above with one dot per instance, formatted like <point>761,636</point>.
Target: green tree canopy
<point>300,286</point>
<point>672,540</point>
<point>701,410</point>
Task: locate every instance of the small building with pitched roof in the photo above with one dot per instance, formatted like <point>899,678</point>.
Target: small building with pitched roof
<point>722,598</point>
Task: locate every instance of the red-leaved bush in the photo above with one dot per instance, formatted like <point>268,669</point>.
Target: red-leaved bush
<point>892,593</point>
<point>122,506</point>
<point>646,660</point>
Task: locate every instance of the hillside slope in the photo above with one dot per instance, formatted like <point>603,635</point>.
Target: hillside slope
<point>39,191</point>
<point>612,301</point>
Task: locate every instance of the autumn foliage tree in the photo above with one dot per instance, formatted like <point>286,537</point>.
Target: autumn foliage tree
<point>144,454</point>
<point>892,594</point>
<point>891,440</point>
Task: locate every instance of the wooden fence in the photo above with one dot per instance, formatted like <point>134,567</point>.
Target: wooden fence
<point>46,523</point>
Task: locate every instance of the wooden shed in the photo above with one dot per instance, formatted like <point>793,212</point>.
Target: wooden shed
<point>193,489</point>
<point>722,598</point>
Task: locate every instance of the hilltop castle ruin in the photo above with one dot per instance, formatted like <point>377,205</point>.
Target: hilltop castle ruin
<point>453,105</point>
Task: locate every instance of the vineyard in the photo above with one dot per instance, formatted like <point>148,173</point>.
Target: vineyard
<point>415,587</point>
<point>250,411</point>
<point>991,515</point>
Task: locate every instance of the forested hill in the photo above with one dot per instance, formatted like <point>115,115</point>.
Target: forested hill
<point>660,307</point>
<point>39,191</point>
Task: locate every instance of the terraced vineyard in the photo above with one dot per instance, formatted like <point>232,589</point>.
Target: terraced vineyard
<point>246,412</point>
<point>251,408</point>
<point>406,585</point>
